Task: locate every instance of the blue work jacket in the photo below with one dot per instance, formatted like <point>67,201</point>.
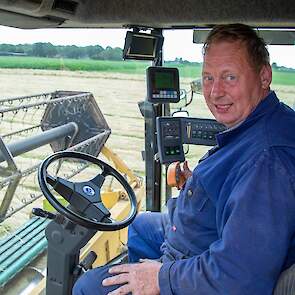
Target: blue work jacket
<point>232,227</point>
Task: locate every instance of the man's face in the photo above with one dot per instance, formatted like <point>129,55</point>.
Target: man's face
<point>231,86</point>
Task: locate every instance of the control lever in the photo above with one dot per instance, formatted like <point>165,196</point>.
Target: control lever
<point>85,264</point>
<point>42,213</point>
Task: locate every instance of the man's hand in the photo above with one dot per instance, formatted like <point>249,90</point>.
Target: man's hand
<point>138,278</point>
<point>186,172</point>
<point>177,176</point>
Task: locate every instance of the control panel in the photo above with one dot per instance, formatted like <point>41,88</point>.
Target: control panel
<point>173,132</point>
<point>162,85</point>
<point>169,134</point>
<point>200,131</point>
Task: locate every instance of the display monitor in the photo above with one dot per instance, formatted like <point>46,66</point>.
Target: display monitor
<point>141,46</point>
<point>163,85</point>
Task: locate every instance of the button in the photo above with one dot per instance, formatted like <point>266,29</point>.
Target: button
<point>189,193</point>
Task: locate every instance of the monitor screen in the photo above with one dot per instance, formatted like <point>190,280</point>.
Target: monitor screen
<point>163,85</point>
<point>141,46</point>
<point>164,80</point>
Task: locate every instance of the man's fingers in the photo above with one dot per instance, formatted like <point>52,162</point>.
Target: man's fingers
<point>185,166</point>
<point>137,278</point>
<point>116,280</point>
<point>121,268</point>
<point>186,172</point>
<point>125,289</point>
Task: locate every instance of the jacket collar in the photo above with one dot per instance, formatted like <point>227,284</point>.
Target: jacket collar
<point>266,106</point>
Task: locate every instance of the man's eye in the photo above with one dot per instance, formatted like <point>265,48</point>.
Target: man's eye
<point>207,78</point>
<point>230,77</point>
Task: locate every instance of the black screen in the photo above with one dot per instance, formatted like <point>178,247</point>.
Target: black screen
<point>164,80</point>
<point>142,46</point>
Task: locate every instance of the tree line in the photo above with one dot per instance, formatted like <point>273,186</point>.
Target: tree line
<point>62,51</point>
<point>78,52</point>
<point>281,68</point>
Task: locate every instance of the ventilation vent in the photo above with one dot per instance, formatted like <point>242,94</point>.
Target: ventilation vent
<point>65,6</point>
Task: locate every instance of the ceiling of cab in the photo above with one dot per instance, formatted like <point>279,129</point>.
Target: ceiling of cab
<point>145,13</point>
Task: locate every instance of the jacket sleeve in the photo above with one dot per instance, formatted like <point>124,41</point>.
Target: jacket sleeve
<point>256,225</point>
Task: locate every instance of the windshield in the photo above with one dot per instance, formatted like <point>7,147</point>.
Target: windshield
<point>36,63</point>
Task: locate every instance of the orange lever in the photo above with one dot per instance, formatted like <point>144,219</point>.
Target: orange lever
<point>176,177</point>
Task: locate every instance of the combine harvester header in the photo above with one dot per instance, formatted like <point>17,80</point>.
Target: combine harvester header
<point>70,120</point>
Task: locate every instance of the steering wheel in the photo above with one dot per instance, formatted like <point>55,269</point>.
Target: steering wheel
<point>84,197</point>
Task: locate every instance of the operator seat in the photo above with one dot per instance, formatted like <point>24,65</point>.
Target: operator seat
<point>286,282</point>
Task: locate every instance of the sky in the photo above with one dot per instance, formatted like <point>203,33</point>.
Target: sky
<point>177,43</point>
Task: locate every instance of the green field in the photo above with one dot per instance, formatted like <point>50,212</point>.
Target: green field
<point>42,63</point>
<point>192,70</point>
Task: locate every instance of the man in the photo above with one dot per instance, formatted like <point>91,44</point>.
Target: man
<point>231,229</point>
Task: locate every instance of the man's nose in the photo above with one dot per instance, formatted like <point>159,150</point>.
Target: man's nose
<point>217,89</point>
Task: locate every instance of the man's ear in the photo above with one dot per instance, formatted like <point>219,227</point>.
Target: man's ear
<point>266,76</point>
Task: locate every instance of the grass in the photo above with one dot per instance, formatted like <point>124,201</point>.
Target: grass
<point>192,70</point>
<point>13,62</point>
<point>284,78</point>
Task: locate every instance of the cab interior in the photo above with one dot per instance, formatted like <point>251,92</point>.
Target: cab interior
<point>163,116</point>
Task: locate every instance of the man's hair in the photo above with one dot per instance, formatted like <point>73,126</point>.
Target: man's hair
<point>255,45</point>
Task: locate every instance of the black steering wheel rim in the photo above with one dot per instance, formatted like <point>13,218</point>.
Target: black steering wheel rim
<point>75,217</point>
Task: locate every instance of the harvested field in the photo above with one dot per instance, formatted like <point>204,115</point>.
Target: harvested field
<point>117,96</point>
